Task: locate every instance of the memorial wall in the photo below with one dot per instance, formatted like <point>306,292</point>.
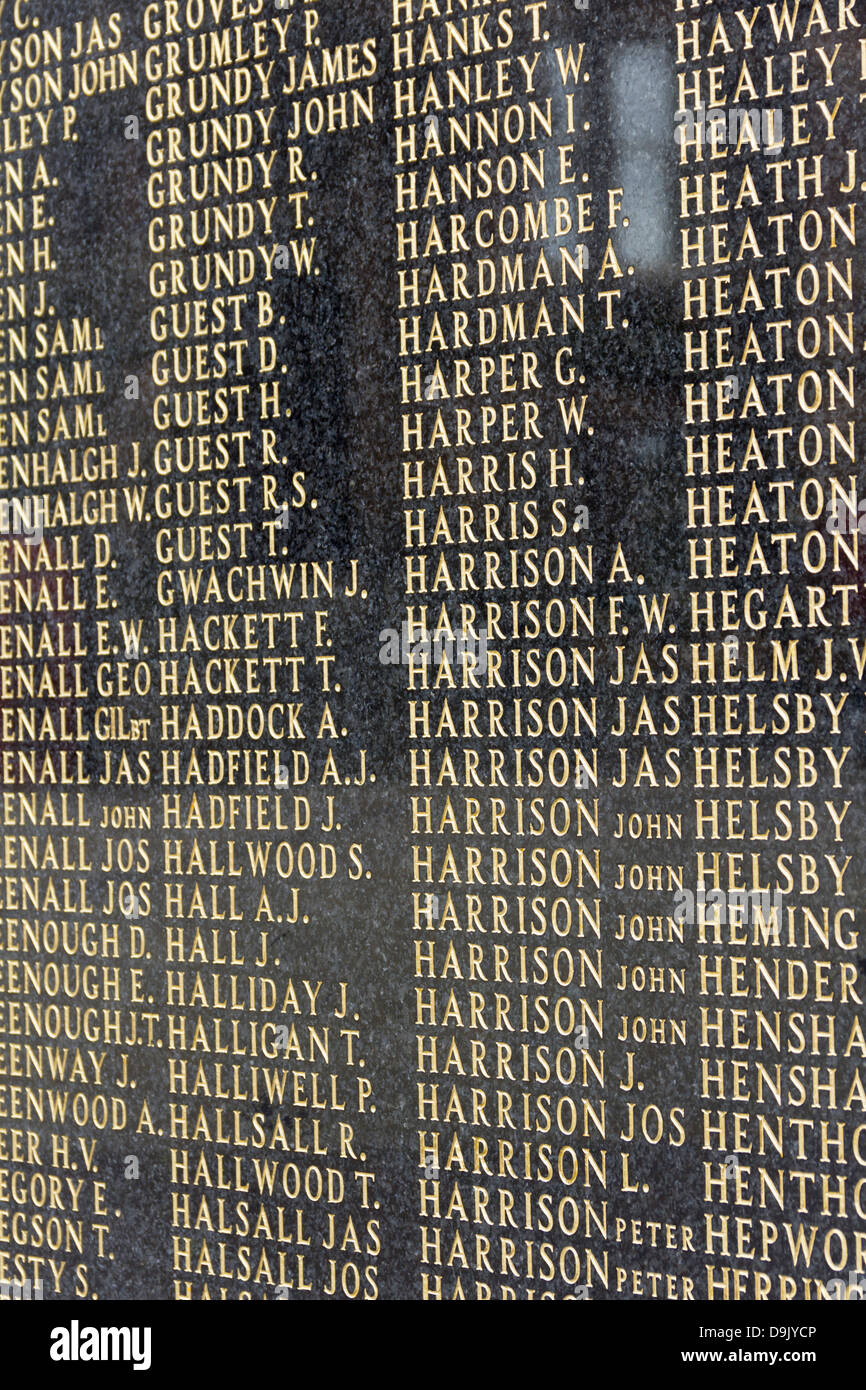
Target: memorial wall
<point>432,650</point>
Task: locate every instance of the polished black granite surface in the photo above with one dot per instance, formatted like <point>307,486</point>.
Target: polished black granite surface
<point>335,966</point>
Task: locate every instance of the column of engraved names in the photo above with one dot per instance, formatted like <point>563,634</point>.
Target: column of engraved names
<point>75,852</point>
<point>769,221</point>
<point>496,225</point>
<point>271,1195</point>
